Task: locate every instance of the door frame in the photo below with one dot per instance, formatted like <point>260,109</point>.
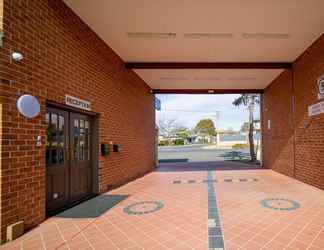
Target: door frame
<point>94,154</point>
<point>59,171</point>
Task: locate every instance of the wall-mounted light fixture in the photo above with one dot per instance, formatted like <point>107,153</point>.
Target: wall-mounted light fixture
<point>17,56</point>
<point>28,106</point>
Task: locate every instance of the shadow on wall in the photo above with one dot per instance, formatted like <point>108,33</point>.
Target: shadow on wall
<point>93,208</point>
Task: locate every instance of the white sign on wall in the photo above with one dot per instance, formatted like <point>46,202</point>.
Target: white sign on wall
<point>316,109</point>
<point>77,103</point>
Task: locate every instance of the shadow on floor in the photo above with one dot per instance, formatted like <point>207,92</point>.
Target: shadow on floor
<point>205,166</point>
<point>94,207</point>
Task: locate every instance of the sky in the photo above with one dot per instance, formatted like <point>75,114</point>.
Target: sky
<point>188,110</point>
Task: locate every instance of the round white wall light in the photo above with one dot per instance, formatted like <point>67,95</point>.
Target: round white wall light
<point>28,106</point>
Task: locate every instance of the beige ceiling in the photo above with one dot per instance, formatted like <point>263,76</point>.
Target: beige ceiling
<point>208,78</point>
<point>298,23</point>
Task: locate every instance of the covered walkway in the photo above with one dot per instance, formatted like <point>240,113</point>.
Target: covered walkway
<point>238,209</point>
<point>92,71</point>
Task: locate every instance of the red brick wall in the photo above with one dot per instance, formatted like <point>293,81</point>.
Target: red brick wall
<point>1,14</point>
<point>278,141</point>
<point>63,56</point>
<point>309,131</point>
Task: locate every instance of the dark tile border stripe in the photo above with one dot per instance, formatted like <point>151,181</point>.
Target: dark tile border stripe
<point>215,235</point>
<point>214,180</point>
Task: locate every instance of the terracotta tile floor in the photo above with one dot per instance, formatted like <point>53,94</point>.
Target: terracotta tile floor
<point>182,223</point>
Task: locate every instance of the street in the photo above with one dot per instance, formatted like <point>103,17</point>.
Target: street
<point>193,153</point>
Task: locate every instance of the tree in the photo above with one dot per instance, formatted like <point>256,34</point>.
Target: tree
<point>183,133</point>
<point>249,100</point>
<point>205,127</point>
<point>230,129</point>
<point>245,127</point>
<point>169,127</point>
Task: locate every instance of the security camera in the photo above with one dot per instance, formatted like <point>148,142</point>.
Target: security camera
<point>16,56</point>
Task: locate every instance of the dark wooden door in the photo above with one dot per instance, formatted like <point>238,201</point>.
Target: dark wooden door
<point>80,141</point>
<point>57,159</point>
<point>68,158</point>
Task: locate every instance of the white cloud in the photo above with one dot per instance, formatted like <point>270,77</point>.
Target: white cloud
<point>202,106</point>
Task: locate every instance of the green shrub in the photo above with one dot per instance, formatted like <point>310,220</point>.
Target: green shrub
<point>179,142</point>
<point>164,143</point>
<point>239,146</point>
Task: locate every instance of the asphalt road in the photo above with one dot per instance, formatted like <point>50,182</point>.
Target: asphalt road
<point>193,153</point>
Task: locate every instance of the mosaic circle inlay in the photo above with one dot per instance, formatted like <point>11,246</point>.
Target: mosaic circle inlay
<point>280,204</point>
<point>144,207</point>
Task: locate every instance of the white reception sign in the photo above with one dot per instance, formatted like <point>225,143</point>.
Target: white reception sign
<point>316,109</point>
<point>77,103</point>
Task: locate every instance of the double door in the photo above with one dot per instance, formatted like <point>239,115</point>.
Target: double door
<point>68,158</point>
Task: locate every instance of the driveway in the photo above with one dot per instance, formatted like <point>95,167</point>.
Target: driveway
<point>193,153</point>
<point>232,209</point>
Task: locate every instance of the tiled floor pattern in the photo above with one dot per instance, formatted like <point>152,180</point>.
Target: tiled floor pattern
<point>249,225</point>
<point>213,180</point>
<point>280,204</point>
<point>182,222</point>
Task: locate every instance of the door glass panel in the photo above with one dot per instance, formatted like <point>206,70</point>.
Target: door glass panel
<point>61,156</point>
<point>76,123</point>
<point>54,121</point>
<point>81,123</point>
<point>54,156</point>
<point>61,131</point>
<point>55,141</point>
<point>81,140</point>
<point>53,130</point>
<point>86,146</point>
<point>76,148</point>
<point>76,140</point>
<point>61,123</point>
<point>82,144</point>
<point>48,159</point>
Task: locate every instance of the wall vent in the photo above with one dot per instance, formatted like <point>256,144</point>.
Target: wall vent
<point>151,35</point>
<point>209,35</point>
<point>265,35</point>
<point>170,78</point>
<point>210,78</point>
<point>241,79</point>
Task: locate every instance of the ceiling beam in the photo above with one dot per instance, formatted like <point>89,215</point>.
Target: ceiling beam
<point>208,65</point>
<point>207,91</point>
